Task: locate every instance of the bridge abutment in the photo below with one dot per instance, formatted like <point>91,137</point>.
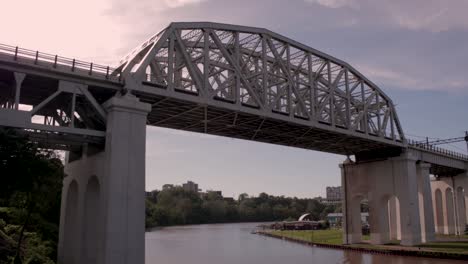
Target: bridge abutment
<point>103,209</point>
<point>391,189</point>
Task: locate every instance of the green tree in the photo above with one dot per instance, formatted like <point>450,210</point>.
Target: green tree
<point>177,206</point>
<point>31,180</point>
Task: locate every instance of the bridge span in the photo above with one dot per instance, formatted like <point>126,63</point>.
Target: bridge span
<point>233,81</point>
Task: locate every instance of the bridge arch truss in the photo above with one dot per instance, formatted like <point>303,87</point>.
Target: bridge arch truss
<point>274,76</point>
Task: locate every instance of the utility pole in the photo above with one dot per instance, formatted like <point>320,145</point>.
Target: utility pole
<point>466,140</point>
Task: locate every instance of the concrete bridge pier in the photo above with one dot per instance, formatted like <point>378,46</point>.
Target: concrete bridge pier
<point>353,194</point>
<point>103,209</point>
<point>449,196</point>
<point>426,211</point>
<point>391,189</point>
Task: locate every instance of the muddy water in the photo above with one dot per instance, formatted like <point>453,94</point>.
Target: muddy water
<point>233,244</point>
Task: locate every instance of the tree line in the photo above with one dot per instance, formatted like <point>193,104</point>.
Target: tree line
<point>177,206</point>
<point>30,194</point>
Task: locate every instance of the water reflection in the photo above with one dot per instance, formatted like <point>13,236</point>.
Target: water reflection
<point>233,244</point>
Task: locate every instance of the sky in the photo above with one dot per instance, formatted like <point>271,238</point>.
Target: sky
<point>415,51</point>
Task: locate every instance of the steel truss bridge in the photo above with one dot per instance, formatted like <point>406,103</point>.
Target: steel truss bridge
<point>234,81</point>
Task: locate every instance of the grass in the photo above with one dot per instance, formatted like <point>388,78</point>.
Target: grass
<point>458,247</point>
<point>330,236</point>
<point>335,237</point>
<point>453,236</point>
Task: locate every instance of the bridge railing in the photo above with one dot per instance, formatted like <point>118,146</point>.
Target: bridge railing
<point>59,62</point>
<point>431,148</point>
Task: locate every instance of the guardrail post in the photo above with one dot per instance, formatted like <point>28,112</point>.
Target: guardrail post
<point>73,65</point>
<point>16,53</point>
<point>55,61</point>
<point>91,69</point>
<point>107,72</point>
<point>37,57</point>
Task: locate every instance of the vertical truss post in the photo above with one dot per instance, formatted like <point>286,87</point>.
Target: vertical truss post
<point>379,125</point>
<point>466,140</point>
<point>290,81</point>
<point>265,74</point>
<point>72,112</point>
<point>364,109</point>
<point>236,76</point>
<point>206,64</point>
<point>348,100</point>
<point>331,94</point>
<point>170,66</point>
<point>311,88</point>
<point>19,78</point>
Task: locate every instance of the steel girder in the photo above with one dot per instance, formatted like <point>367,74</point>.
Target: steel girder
<point>254,68</point>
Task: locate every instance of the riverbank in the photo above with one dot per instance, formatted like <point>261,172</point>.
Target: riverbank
<point>446,247</point>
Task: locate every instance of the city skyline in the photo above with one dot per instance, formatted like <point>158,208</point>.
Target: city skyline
<point>209,189</point>
<point>398,45</point>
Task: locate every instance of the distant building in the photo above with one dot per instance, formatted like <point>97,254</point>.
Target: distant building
<point>190,186</point>
<point>167,186</point>
<point>336,218</point>
<point>153,195</point>
<point>210,193</point>
<point>334,193</point>
<point>331,202</point>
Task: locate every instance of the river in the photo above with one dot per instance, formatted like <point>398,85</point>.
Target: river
<point>234,244</point>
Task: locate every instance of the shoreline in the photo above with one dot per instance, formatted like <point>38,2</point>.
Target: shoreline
<point>149,229</point>
<point>373,250</point>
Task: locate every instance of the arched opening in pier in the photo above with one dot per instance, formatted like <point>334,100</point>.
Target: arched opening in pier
<point>439,219</point>
<point>394,221</point>
<point>91,221</point>
<point>71,222</point>
<point>450,211</point>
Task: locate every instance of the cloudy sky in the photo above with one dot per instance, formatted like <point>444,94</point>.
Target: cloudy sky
<point>416,51</point>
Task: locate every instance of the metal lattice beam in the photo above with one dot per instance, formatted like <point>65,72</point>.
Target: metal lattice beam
<point>261,69</point>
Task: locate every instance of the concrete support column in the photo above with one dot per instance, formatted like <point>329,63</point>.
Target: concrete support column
<point>351,205</point>
<point>103,209</point>
<point>406,188</point>
<point>124,185</point>
<point>426,207</point>
<point>461,209</point>
<point>378,218</point>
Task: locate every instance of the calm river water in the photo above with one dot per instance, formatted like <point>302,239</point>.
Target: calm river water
<point>233,244</point>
